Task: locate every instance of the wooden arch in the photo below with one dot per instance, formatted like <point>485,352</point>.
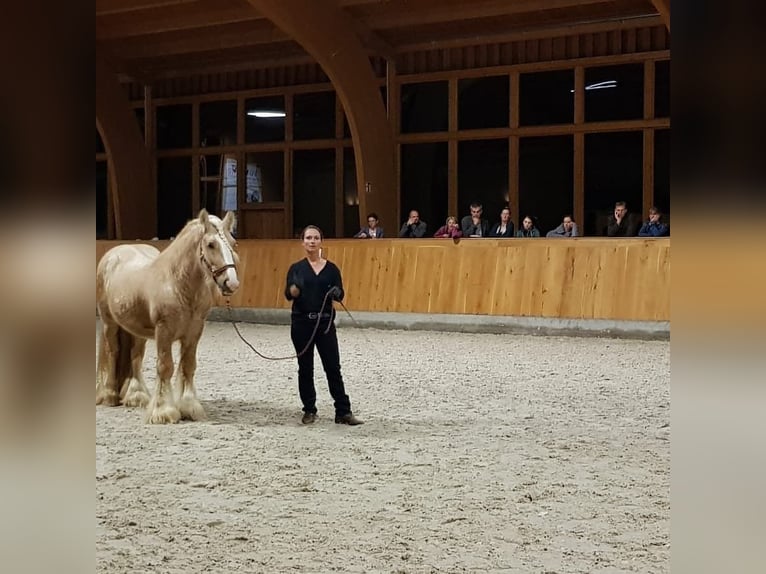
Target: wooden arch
<point>330,35</point>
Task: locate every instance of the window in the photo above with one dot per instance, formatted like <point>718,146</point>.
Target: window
<point>314,116</point>
<point>314,190</point>
<point>662,89</point>
<point>424,107</point>
<point>482,176</point>
<point>662,170</point>
<point>99,143</point>
<point>613,172</point>
<point>140,119</point>
<point>423,184</point>
<point>351,196</point>
<point>265,177</point>
<point>546,98</point>
<point>614,93</point>
<point>265,119</point>
<point>174,126</point>
<point>174,186</point>
<point>483,102</point>
<point>546,180</point>
<point>218,123</point>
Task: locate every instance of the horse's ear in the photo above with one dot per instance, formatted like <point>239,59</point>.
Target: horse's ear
<point>229,221</point>
<point>203,217</point>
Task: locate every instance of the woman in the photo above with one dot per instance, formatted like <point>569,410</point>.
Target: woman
<point>372,231</point>
<point>528,228</point>
<point>449,229</point>
<point>312,285</point>
<point>505,227</point>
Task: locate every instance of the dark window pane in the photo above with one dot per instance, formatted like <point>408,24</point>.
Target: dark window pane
<point>314,190</point>
<point>140,119</point>
<point>424,107</point>
<point>174,126</point>
<point>99,143</point>
<point>314,116</point>
<point>483,102</point>
<point>264,119</point>
<point>613,172</point>
<point>351,195</point>
<point>662,170</point>
<point>546,98</point>
<point>662,89</point>
<point>265,177</point>
<point>423,185</point>
<point>347,129</point>
<point>174,190</point>
<point>211,182</point>
<point>546,180</point>
<point>482,176</point>
<point>614,93</point>
<point>102,201</point>
<point>218,123</point>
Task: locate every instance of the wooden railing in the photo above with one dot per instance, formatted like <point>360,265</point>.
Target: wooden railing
<point>584,278</point>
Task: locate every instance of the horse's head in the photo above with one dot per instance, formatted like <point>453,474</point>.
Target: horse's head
<point>217,250</point>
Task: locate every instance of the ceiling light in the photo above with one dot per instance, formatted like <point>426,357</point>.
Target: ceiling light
<point>599,85</point>
<point>266,114</point>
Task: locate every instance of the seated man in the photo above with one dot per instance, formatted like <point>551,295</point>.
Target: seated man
<point>413,227</point>
<point>372,231</point>
<point>654,227</point>
<point>473,225</point>
<point>567,228</point>
<point>621,224</point>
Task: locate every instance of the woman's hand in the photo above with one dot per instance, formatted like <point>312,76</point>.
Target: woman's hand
<point>294,291</point>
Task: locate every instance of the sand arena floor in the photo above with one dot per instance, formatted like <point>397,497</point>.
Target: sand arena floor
<point>480,453</point>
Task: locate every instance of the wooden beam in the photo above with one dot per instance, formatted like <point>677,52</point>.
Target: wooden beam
<point>172,18</point>
<point>663,7</point>
<point>327,33</point>
<point>135,203</point>
<point>123,6</point>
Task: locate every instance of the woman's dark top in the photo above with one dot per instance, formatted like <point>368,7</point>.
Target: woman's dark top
<point>313,287</point>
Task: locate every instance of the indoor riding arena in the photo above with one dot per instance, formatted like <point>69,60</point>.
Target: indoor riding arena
<point>491,181</point>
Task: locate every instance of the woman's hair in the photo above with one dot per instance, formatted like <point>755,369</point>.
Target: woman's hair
<point>305,229</point>
<point>450,218</point>
<point>372,215</point>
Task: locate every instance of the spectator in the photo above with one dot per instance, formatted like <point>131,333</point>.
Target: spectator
<point>654,227</point>
<point>449,229</point>
<point>473,225</point>
<point>528,228</point>
<point>505,227</point>
<point>413,227</point>
<point>621,224</point>
<point>372,231</point>
<point>567,228</point>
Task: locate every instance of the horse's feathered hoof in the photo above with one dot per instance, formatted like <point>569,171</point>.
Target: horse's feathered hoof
<point>191,410</point>
<point>108,398</point>
<point>163,415</point>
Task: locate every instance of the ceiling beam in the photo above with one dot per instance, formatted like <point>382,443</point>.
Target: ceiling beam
<point>123,6</point>
<point>663,7</point>
<point>173,18</point>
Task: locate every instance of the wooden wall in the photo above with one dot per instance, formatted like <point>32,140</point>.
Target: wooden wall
<point>584,278</point>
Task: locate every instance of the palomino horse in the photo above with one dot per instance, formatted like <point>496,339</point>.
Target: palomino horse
<point>142,294</point>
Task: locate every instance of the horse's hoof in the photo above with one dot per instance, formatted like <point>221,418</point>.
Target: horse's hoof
<point>108,399</point>
<point>191,410</point>
<point>136,399</point>
<point>163,415</point>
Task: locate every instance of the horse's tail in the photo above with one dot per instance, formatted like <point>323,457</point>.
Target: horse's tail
<point>122,360</point>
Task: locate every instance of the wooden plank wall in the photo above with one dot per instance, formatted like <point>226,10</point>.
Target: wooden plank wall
<point>584,278</point>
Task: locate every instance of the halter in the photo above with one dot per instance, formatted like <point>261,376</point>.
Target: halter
<point>216,271</point>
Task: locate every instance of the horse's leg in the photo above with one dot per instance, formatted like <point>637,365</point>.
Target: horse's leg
<point>135,392</point>
<point>189,405</point>
<point>107,391</point>
<point>162,407</point>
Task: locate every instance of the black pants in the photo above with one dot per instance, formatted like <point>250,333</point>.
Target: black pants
<point>327,345</point>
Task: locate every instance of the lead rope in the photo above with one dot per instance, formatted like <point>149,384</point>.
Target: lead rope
<point>311,339</point>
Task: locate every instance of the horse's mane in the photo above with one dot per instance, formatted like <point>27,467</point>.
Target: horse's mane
<point>185,245</point>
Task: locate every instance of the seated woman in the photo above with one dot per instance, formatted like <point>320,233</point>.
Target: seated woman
<point>528,228</point>
<point>372,231</point>
<point>505,227</point>
<point>449,229</point>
